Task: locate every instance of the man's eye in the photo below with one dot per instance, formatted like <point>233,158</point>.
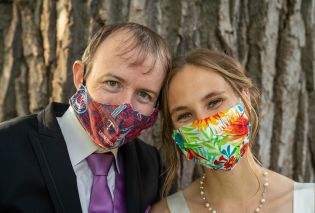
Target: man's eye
<point>183,117</point>
<point>145,97</point>
<point>112,86</point>
<point>112,83</point>
<point>215,103</point>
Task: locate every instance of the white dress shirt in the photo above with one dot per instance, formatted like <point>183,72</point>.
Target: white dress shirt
<point>80,146</point>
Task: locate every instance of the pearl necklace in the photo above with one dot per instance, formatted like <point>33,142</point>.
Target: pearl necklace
<point>261,202</point>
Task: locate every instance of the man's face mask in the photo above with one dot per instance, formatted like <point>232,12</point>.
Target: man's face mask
<point>109,126</point>
<point>218,141</point>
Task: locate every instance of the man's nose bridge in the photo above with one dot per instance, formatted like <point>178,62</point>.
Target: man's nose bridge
<point>127,97</point>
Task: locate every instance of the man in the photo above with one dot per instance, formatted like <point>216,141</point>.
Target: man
<point>52,162</point>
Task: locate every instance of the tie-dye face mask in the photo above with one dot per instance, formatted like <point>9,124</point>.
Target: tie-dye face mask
<point>109,126</point>
<point>218,141</point>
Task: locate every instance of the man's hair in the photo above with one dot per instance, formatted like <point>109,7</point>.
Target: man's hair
<point>141,38</point>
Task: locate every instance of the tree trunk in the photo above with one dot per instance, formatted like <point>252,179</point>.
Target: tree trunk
<point>273,39</point>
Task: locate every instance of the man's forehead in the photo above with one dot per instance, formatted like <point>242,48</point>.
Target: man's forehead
<point>121,41</point>
<point>123,47</point>
<point>136,57</point>
<point>131,50</point>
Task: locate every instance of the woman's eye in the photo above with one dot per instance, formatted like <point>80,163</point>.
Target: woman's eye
<point>145,97</point>
<point>215,103</point>
<point>183,117</point>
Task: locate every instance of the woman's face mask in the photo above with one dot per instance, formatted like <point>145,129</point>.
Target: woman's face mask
<point>218,141</point>
<point>109,126</point>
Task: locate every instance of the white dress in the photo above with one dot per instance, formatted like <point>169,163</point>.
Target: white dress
<point>303,199</point>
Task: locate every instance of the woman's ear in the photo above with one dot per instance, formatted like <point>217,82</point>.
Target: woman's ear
<point>246,94</point>
<point>77,69</point>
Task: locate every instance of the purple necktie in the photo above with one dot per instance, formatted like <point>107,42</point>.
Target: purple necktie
<point>101,199</point>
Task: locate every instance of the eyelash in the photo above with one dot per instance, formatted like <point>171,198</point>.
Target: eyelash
<point>147,95</point>
<point>111,81</point>
<point>180,117</point>
<point>117,85</point>
<point>215,102</point>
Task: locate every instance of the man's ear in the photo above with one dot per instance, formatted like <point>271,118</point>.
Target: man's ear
<point>77,69</point>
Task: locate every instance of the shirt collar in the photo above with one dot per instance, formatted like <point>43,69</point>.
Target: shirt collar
<point>78,142</point>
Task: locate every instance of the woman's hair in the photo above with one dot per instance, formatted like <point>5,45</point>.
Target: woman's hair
<point>233,73</point>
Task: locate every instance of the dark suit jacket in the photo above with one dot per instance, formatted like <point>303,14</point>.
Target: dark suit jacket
<point>36,174</point>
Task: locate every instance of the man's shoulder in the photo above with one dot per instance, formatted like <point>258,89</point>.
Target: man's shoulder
<point>27,122</point>
<point>19,124</point>
<point>14,135</point>
<point>143,146</point>
<point>144,151</point>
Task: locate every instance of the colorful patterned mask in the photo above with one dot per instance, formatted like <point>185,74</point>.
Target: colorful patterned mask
<point>217,142</point>
<point>109,126</point>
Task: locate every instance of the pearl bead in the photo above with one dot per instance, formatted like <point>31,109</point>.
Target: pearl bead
<point>261,201</point>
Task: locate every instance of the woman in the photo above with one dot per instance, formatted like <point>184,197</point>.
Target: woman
<point>209,112</point>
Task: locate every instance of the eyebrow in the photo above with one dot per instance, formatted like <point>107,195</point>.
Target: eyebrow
<point>177,109</point>
<point>207,96</point>
<point>123,80</point>
<point>114,76</point>
<point>212,94</point>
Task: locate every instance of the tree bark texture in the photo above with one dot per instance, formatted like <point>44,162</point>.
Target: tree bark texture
<point>273,39</point>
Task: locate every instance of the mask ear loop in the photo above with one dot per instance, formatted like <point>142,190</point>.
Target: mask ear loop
<point>84,77</point>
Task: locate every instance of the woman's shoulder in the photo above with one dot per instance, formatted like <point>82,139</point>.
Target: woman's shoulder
<point>304,197</point>
<point>173,203</point>
<point>304,190</point>
<point>160,206</point>
<point>279,194</point>
<point>303,186</point>
<point>285,195</point>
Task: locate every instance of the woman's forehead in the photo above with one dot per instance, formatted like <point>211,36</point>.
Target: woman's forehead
<point>193,78</point>
<point>193,84</point>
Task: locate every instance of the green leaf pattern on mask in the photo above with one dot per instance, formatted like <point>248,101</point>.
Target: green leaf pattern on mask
<point>212,145</point>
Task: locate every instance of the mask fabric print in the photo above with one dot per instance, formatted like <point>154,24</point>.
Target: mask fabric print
<point>217,142</point>
<point>109,126</point>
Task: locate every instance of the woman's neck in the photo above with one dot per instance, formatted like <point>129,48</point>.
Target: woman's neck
<point>240,185</point>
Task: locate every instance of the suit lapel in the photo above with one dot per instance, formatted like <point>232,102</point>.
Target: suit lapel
<point>51,151</point>
<point>133,184</point>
